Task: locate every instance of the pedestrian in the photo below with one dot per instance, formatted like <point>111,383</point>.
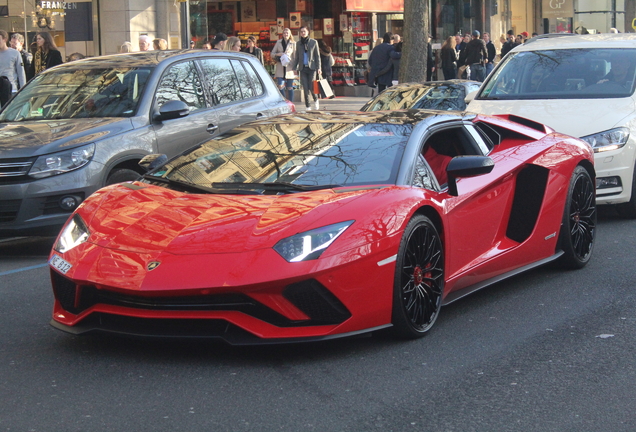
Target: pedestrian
<point>509,44</point>
<point>475,56</point>
<point>233,44</point>
<point>46,55</point>
<point>207,44</point>
<point>492,53</point>
<point>524,36</point>
<point>75,56</point>
<point>430,59</point>
<point>458,43</point>
<point>396,39</point>
<point>126,47</point>
<point>218,43</point>
<point>192,44</point>
<point>307,64</point>
<point>251,48</point>
<point>326,62</point>
<point>145,43</point>
<point>17,43</point>
<point>160,44</point>
<point>396,58</point>
<point>449,58</point>
<point>379,59</point>
<point>11,68</point>
<point>284,54</point>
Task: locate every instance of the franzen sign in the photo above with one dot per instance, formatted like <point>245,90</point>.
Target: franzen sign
<point>57,5</point>
<point>558,8</point>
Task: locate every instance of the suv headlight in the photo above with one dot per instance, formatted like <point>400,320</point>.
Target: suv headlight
<point>62,162</point>
<point>310,245</point>
<point>609,140</point>
<point>73,234</point>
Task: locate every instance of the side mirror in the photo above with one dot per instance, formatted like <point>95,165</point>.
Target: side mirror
<point>470,96</point>
<point>466,166</point>
<point>172,110</point>
<point>152,161</point>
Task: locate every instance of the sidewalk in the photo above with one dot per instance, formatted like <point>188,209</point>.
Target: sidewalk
<point>345,103</point>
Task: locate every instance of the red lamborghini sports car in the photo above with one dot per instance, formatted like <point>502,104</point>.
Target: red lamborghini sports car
<point>322,225</point>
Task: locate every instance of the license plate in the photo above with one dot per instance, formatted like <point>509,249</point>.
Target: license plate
<point>59,264</point>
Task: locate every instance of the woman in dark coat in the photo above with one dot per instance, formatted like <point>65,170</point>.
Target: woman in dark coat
<point>449,58</point>
<point>325,61</point>
<point>46,56</point>
<point>251,48</point>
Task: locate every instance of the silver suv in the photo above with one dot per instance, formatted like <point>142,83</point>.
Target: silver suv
<point>83,125</point>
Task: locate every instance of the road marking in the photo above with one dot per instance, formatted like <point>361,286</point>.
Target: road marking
<point>24,269</point>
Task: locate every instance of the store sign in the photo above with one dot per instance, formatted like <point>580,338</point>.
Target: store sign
<point>558,8</point>
<point>57,5</point>
<point>375,5</point>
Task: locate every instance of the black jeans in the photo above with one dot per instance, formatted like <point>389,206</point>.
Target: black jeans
<point>307,78</point>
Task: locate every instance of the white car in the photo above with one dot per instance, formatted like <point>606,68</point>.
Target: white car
<point>581,86</point>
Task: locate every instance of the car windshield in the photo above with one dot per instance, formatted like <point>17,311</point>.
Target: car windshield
<point>440,97</point>
<point>564,74</point>
<point>310,155</point>
<point>84,92</point>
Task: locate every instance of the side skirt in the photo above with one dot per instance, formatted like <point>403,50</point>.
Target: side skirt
<point>456,295</point>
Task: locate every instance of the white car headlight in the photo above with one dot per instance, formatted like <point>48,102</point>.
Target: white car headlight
<point>310,245</point>
<point>609,140</point>
<point>73,234</point>
<point>62,162</point>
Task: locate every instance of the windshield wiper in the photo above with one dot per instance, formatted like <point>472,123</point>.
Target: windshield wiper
<point>277,187</point>
<point>182,185</point>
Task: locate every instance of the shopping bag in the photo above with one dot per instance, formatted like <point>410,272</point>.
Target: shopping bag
<point>325,89</point>
<point>316,87</point>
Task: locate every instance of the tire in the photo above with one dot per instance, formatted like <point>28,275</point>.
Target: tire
<point>121,175</point>
<point>578,227</point>
<point>419,279</point>
<point>628,210</point>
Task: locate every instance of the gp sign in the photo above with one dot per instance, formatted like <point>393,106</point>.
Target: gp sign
<point>558,8</point>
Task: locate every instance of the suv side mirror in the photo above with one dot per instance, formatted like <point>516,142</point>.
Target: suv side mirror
<point>470,97</point>
<point>466,166</point>
<point>172,110</point>
<point>152,161</point>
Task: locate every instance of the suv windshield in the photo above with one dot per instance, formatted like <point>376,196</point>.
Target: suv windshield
<point>300,154</point>
<point>94,92</point>
<point>564,74</point>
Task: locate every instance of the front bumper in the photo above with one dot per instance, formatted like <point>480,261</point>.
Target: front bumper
<point>33,207</point>
<point>616,163</point>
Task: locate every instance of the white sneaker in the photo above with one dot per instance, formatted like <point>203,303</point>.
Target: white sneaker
<point>317,104</point>
<point>307,109</point>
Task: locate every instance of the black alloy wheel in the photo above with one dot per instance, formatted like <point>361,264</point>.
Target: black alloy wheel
<point>419,279</point>
<point>578,227</point>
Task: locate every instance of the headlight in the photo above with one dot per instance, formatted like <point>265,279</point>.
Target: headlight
<point>62,162</point>
<point>310,245</point>
<point>73,234</point>
<point>609,140</point>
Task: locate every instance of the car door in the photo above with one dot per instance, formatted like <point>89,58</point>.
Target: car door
<point>181,82</point>
<point>475,217</point>
<point>236,95</point>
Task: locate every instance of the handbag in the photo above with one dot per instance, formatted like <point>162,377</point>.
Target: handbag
<point>325,89</point>
<point>332,61</point>
<point>316,87</point>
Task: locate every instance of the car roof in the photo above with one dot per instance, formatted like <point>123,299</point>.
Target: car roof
<point>150,58</point>
<point>569,41</point>
<point>398,117</point>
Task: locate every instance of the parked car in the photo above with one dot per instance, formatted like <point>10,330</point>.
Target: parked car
<point>313,226</point>
<point>439,95</point>
<point>581,86</point>
<point>80,126</point>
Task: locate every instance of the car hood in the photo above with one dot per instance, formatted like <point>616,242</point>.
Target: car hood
<point>145,219</point>
<point>35,138</point>
<point>575,117</point>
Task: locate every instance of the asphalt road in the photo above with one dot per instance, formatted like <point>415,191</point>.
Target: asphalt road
<point>544,351</point>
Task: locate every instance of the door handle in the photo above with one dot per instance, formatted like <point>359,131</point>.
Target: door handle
<point>260,115</point>
<point>212,128</point>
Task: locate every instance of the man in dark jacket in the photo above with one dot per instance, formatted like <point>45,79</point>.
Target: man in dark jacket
<point>475,56</point>
<point>492,53</point>
<point>509,44</point>
<point>379,62</point>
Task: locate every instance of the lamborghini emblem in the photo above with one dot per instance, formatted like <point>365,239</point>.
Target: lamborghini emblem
<point>152,265</point>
